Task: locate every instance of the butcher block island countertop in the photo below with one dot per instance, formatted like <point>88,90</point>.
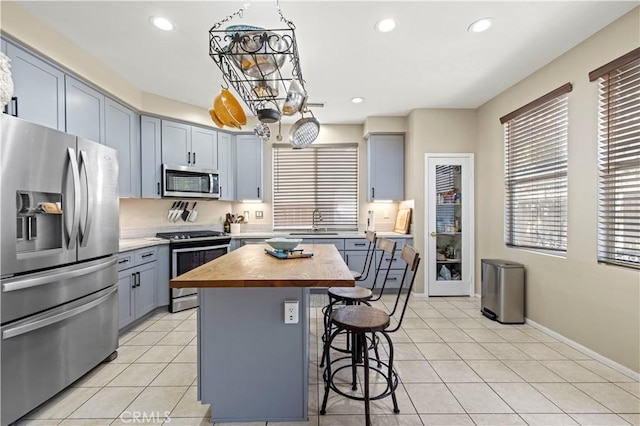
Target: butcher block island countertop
<point>253,361</point>
<point>250,266</point>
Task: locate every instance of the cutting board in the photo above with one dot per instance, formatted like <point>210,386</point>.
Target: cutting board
<point>403,220</point>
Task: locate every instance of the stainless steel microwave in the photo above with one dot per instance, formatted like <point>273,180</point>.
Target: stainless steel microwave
<point>189,182</point>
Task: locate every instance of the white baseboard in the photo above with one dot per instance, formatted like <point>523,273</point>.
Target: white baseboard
<point>575,345</point>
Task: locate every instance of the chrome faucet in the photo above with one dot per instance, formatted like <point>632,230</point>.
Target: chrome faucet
<point>316,217</point>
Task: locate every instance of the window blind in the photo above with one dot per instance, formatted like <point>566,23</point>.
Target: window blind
<point>536,173</point>
<point>619,162</point>
<point>323,178</point>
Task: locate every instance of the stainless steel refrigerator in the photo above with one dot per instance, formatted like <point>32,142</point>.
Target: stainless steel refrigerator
<point>59,227</point>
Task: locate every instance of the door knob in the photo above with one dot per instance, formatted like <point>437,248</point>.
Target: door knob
<point>433,234</point>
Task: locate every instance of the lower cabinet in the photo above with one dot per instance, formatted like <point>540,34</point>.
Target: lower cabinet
<point>136,284</point>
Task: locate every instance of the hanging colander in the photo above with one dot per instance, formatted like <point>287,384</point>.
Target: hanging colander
<point>304,132</point>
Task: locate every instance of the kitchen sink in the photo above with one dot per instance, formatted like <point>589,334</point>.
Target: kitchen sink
<point>313,233</point>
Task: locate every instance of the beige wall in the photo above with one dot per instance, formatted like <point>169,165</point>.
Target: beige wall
<point>432,131</point>
<point>595,305</point>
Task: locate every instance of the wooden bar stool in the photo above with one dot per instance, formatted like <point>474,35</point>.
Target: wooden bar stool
<point>358,294</point>
<point>365,323</point>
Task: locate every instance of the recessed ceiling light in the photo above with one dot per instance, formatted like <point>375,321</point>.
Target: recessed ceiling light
<point>480,25</point>
<point>162,23</point>
<point>385,25</point>
<point>357,100</point>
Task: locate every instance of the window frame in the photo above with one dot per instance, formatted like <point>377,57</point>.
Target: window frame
<point>619,161</point>
<point>322,198</point>
<point>545,123</point>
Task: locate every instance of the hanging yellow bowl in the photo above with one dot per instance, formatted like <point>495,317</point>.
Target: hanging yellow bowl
<point>215,119</point>
<point>229,110</point>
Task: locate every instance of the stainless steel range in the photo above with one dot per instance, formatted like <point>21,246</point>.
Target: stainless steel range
<point>190,249</point>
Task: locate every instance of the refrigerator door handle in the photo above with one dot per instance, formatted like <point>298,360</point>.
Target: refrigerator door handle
<point>27,328</point>
<point>84,233</point>
<point>20,283</point>
<point>75,222</point>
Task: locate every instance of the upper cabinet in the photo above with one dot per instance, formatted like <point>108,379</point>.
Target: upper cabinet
<point>85,110</point>
<point>249,168</point>
<point>204,148</point>
<point>38,89</point>
<point>122,134</point>
<point>385,167</point>
<point>185,145</point>
<point>226,166</point>
<point>151,156</point>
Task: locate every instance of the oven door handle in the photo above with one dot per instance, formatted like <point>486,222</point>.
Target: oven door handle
<point>199,248</point>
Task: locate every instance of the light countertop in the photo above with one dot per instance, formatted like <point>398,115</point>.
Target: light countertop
<point>127,244</point>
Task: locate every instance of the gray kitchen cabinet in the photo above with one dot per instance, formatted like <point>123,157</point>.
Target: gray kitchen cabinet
<point>126,287</point>
<point>385,167</point>
<point>137,278</point>
<point>151,157</point>
<point>204,148</point>
<point>163,275</point>
<point>397,265</point>
<point>249,168</point>
<point>355,256</point>
<point>38,89</point>
<point>185,145</point>
<point>235,244</point>
<point>3,46</point>
<point>84,110</point>
<point>226,166</point>
<point>176,143</point>
<point>122,133</point>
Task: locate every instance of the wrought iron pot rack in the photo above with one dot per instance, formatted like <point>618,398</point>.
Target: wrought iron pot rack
<point>258,63</point>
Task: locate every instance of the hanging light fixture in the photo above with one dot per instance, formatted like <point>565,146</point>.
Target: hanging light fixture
<point>262,65</point>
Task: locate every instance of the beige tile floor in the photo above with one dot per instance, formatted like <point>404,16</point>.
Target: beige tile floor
<point>455,366</point>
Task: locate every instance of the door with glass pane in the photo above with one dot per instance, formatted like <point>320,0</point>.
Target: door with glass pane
<point>449,224</point>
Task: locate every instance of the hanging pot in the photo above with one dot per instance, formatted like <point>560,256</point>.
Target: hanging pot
<point>268,115</point>
<point>304,132</point>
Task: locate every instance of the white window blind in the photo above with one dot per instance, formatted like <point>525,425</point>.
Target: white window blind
<point>536,173</point>
<point>323,178</point>
<point>619,161</point>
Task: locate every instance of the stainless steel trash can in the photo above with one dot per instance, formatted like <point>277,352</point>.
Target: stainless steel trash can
<point>502,291</point>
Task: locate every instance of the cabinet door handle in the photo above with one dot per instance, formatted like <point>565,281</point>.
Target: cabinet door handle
<point>392,278</point>
<point>15,98</point>
<point>151,254</point>
<point>138,274</point>
<point>220,192</point>
<point>158,190</point>
<point>373,193</point>
<point>120,262</point>
<point>134,280</point>
<point>359,244</point>
<point>189,157</point>
<point>258,192</point>
<point>194,158</point>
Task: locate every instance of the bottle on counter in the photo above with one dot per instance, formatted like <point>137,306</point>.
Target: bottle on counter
<point>227,227</point>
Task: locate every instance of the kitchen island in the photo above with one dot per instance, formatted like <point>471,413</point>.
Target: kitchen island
<point>251,365</point>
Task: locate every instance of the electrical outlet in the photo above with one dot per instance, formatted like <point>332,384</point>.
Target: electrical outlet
<point>258,214</point>
<point>290,311</point>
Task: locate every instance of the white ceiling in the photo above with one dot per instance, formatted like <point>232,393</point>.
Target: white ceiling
<point>428,61</point>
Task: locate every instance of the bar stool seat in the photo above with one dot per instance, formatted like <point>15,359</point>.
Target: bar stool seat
<point>356,275</point>
<point>353,294</point>
<point>361,319</point>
